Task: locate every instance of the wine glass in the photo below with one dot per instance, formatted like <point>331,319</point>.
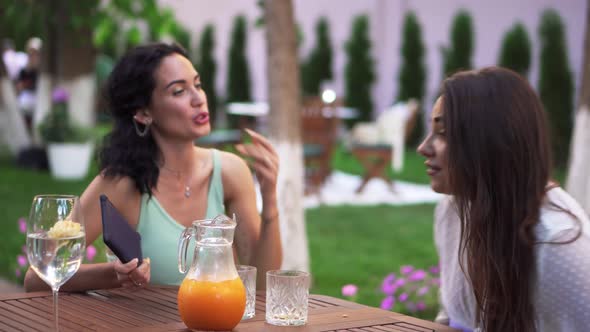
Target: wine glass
<point>55,240</point>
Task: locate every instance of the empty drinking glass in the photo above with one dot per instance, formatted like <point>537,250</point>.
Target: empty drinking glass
<point>286,297</point>
<point>248,275</point>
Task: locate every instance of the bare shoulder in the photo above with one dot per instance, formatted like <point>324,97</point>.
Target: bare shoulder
<point>235,172</point>
<point>120,190</point>
<point>232,162</point>
<point>113,187</point>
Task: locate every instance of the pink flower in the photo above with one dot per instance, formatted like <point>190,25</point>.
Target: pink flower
<point>347,290</point>
<point>406,269</point>
<point>403,297</point>
<point>17,273</point>
<point>22,225</point>
<point>435,281</point>
<point>388,286</point>
<point>421,306</point>
<point>21,260</point>
<point>90,253</point>
<point>60,95</point>
<point>422,291</point>
<point>417,275</point>
<point>400,282</point>
<point>434,269</point>
<point>390,278</point>
<point>387,303</point>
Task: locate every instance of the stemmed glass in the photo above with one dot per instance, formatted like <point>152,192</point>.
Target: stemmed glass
<point>55,240</point>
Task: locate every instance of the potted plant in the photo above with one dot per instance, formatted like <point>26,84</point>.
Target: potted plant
<point>69,146</point>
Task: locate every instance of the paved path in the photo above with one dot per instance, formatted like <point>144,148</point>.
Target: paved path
<point>9,287</point>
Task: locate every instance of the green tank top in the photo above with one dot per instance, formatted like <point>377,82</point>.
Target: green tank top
<point>160,232</point>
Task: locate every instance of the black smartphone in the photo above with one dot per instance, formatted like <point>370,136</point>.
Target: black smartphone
<point>117,234</point>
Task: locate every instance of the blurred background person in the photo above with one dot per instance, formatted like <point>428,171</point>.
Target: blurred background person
<point>26,81</point>
<point>13,61</point>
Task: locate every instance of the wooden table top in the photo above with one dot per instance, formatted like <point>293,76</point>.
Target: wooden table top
<point>154,309</point>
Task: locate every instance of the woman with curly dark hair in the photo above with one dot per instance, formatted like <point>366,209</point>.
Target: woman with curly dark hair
<point>514,248</point>
<point>161,182</point>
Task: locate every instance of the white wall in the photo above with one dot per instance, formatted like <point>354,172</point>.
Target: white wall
<point>491,20</point>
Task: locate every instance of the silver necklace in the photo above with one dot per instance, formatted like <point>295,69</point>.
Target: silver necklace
<point>187,187</point>
<point>187,191</point>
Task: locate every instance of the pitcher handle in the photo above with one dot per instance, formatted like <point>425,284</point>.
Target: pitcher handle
<point>185,239</point>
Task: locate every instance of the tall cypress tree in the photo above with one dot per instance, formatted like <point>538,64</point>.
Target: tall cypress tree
<point>458,55</point>
<point>412,75</point>
<point>555,83</point>
<point>516,50</point>
<point>207,68</point>
<point>238,80</point>
<point>359,71</point>
<point>319,66</point>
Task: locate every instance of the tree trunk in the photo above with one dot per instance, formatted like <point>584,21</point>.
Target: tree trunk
<point>77,61</point>
<point>68,61</point>
<point>285,105</point>
<point>48,66</point>
<point>578,181</point>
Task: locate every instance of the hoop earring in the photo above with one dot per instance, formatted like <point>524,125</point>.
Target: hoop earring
<point>144,132</point>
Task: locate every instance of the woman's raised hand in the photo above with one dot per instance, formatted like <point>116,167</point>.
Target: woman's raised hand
<point>264,161</point>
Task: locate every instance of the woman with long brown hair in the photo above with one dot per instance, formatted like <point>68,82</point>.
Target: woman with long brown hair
<point>514,248</point>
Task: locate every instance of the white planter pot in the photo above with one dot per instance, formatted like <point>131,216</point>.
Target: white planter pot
<point>69,161</point>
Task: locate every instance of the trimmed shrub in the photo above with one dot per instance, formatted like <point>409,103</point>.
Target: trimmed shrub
<point>556,87</point>
<point>412,75</point>
<point>207,68</point>
<point>516,50</point>
<point>359,71</point>
<point>458,55</point>
<point>238,79</point>
<point>319,66</point>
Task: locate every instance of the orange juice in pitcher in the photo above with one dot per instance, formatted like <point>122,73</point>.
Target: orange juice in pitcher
<point>211,305</point>
<point>212,296</point>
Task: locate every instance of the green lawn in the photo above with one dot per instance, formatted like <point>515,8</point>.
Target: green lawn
<point>361,245</point>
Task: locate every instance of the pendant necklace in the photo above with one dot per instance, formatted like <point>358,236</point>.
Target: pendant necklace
<point>187,186</point>
<point>187,190</point>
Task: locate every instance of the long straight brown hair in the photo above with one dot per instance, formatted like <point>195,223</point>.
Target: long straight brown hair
<point>499,166</point>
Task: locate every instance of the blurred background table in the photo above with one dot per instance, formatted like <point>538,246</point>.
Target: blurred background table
<point>252,114</point>
<point>219,138</point>
<point>155,309</point>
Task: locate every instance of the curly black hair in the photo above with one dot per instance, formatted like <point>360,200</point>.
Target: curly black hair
<point>129,88</point>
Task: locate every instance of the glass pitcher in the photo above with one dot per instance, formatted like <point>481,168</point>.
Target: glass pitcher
<point>212,296</point>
